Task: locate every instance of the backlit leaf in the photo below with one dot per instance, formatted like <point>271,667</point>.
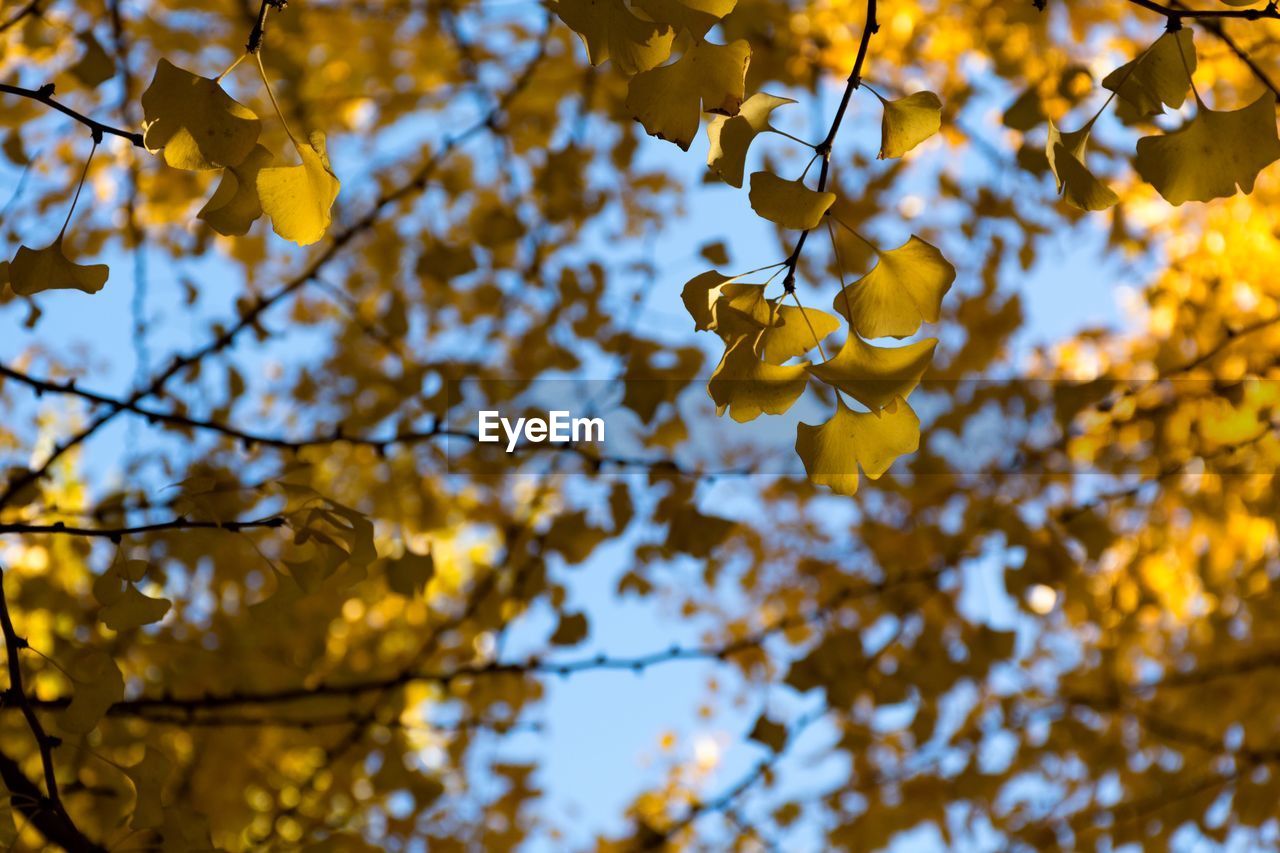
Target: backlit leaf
<point>1066,152</point>
<point>731,136</point>
<point>794,332</point>
<point>1159,77</point>
<point>789,203</point>
<point>696,16</point>
<point>908,121</point>
<point>299,199</point>
<point>612,31</point>
<point>833,452</point>
<point>234,205</point>
<point>749,387</point>
<point>669,100</point>
<point>193,122</point>
<point>903,290</point>
<point>873,375</point>
<point>1212,154</point>
<point>36,270</point>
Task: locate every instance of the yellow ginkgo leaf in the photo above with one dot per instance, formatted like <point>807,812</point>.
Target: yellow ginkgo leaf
<point>669,100</point>
<point>908,121</point>
<point>742,309</point>
<point>696,16</point>
<point>749,387</point>
<point>94,66</point>
<point>903,290</point>
<point>234,205</point>
<point>1209,156</point>
<point>133,610</point>
<point>700,293</point>
<point>299,199</point>
<point>1077,184</point>
<point>794,333</point>
<point>726,306</point>
<point>36,270</point>
<point>731,136</point>
<point>789,203</point>
<point>875,375</point>
<point>611,31</point>
<point>98,686</point>
<point>194,122</point>
<point>1159,77</point>
<point>833,452</point>
<point>149,777</point>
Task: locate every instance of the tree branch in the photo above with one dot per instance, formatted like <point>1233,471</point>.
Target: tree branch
<point>45,96</point>
<point>532,666</point>
<point>1179,12</point>
<point>250,439</point>
<point>45,811</point>
<point>823,148</point>
<point>115,534</point>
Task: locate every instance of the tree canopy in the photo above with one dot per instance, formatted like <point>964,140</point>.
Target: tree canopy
<point>264,586</point>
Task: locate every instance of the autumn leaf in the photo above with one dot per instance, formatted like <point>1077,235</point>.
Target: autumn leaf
<point>731,136</point>
<point>1159,77</point>
<point>794,332</point>
<point>133,610</point>
<point>907,122</point>
<point>299,199</point>
<point>193,122</point>
<point>234,205</point>
<point>37,270</point>
<point>149,777</point>
<point>903,290</point>
<point>612,31</point>
<point>1077,184</point>
<point>571,630</point>
<point>669,100</point>
<point>1212,154</point>
<point>98,686</point>
<point>695,16</point>
<point>94,67</point>
<point>873,375</point>
<point>833,452</point>
<point>124,607</point>
<point>747,386</point>
<point>789,203</point>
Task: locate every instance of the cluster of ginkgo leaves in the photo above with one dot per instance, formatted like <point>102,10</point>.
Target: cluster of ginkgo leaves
<point>1208,157</point>
<point>763,369</point>
<point>195,125</point>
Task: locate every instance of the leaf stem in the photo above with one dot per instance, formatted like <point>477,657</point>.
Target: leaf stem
<point>270,94</point>
<point>872,246</point>
<point>230,68</point>
<point>795,138</point>
<point>80,186</point>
